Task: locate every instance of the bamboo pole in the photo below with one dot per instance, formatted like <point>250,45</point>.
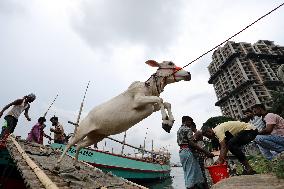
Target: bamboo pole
<point>80,110</point>
<point>50,105</point>
<point>49,141</point>
<point>44,179</point>
<point>82,103</point>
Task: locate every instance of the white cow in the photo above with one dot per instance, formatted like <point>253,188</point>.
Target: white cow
<point>120,113</point>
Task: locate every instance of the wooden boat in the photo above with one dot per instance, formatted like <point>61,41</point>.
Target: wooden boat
<point>123,166</point>
<point>34,164</point>
<point>9,175</point>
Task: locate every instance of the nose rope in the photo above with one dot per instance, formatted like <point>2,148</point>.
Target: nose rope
<point>175,70</point>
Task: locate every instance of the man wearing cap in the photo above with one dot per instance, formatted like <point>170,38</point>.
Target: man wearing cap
<point>188,153</point>
<point>36,135</point>
<point>271,139</point>
<point>58,131</point>
<point>11,118</point>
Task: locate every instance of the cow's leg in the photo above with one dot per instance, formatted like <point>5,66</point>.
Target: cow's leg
<point>168,107</point>
<point>161,107</point>
<point>157,107</point>
<point>165,116</point>
<point>73,141</point>
<point>89,140</point>
<point>142,100</point>
<point>169,121</point>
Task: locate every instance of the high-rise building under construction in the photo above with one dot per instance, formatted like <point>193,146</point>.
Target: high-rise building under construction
<point>244,74</point>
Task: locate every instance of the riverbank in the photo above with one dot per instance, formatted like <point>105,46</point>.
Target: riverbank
<point>258,181</point>
<point>270,175</point>
<point>264,166</point>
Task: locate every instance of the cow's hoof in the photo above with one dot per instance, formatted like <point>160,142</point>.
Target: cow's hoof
<point>166,127</point>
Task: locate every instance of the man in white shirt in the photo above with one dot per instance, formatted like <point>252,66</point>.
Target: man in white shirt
<point>11,118</point>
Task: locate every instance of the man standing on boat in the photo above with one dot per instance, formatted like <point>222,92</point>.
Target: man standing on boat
<point>11,118</point>
<point>188,153</point>
<point>36,135</point>
<point>59,136</point>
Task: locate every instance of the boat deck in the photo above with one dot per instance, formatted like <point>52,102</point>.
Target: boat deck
<point>36,165</point>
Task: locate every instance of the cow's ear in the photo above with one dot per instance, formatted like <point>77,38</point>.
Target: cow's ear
<point>152,63</point>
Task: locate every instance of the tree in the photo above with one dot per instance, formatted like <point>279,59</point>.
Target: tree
<point>277,101</point>
<point>214,121</point>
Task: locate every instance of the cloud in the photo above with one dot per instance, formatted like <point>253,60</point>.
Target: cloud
<point>153,24</point>
<point>11,7</point>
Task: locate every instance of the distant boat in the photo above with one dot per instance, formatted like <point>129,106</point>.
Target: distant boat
<point>123,166</point>
<point>176,165</point>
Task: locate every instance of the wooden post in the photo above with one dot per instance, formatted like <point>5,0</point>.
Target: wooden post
<point>50,105</point>
<point>104,146</point>
<point>152,150</point>
<point>123,143</point>
<point>144,145</point>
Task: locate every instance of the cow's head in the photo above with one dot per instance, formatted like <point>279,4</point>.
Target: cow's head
<point>169,71</point>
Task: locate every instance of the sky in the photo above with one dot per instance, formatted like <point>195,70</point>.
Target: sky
<point>55,47</point>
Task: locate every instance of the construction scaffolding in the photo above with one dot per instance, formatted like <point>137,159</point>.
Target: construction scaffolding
<point>244,74</point>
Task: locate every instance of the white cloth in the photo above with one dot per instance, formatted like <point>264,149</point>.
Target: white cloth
<point>18,109</point>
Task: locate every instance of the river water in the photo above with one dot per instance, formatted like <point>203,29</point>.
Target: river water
<point>175,182</point>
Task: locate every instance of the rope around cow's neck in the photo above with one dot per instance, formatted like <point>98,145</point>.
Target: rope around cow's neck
<point>160,85</point>
<point>154,81</point>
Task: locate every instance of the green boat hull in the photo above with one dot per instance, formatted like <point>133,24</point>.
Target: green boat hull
<point>122,166</point>
<point>9,175</point>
